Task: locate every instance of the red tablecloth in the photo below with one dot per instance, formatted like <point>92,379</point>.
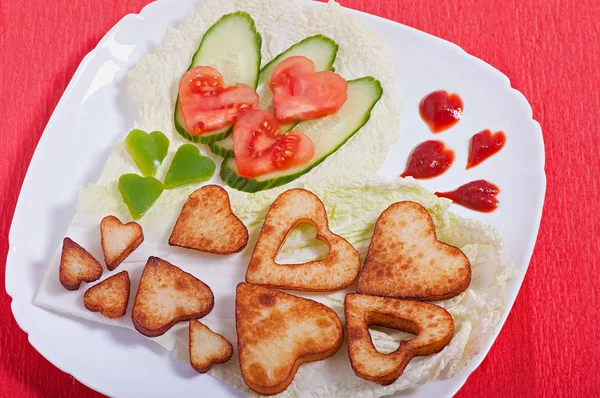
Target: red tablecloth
<point>550,49</point>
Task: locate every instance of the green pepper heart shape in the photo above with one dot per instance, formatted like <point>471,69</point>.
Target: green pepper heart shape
<point>147,150</point>
<point>188,166</point>
<point>139,193</point>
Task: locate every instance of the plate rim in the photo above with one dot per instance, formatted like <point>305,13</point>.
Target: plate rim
<point>473,363</point>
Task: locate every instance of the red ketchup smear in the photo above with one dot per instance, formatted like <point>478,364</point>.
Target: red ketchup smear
<point>477,195</point>
<point>483,145</point>
<point>440,110</point>
<point>428,159</point>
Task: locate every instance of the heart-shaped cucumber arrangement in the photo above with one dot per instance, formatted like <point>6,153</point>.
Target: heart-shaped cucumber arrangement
<point>188,166</point>
<point>148,151</point>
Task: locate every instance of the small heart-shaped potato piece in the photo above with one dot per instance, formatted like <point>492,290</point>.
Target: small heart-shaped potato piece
<point>119,240</point>
<point>188,166</point>
<point>207,347</point>
<point>335,272</point>
<point>147,150</point>
<point>406,260</point>
<point>277,332</point>
<point>207,223</point>
<point>167,295</point>
<point>109,297</point>
<point>77,265</point>
<point>432,325</point>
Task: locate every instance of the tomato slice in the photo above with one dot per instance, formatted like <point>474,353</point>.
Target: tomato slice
<point>301,93</point>
<point>207,104</point>
<point>260,147</point>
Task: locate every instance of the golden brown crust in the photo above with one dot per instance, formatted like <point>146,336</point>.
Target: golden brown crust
<point>432,325</point>
<point>277,332</point>
<point>77,265</point>
<point>207,347</point>
<point>335,272</point>
<point>406,260</point>
<point>207,223</point>
<point>167,295</point>
<point>119,240</point>
<point>109,297</point>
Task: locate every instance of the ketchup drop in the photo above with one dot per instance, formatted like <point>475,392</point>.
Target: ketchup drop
<point>440,110</point>
<point>483,145</point>
<point>428,159</point>
<point>477,195</point>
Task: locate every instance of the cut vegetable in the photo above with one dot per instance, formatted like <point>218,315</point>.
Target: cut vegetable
<point>223,148</point>
<point>232,46</point>
<point>328,135</point>
<point>188,166</point>
<point>147,150</point>
<point>139,193</point>
<point>208,105</point>
<point>261,148</point>
<point>320,49</point>
<point>300,92</point>
<point>204,138</point>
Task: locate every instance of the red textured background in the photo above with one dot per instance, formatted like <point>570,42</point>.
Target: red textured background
<point>549,49</point>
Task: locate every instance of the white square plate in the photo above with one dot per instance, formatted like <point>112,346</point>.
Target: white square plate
<point>93,114</point>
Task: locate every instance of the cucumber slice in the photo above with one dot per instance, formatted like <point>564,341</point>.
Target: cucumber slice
<point>320,49</point>
<point>328,135</point>
<point>232,46</point>
<point>223,148</point>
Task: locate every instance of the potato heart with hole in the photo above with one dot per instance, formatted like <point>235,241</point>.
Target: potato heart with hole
<point>338,270</point>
